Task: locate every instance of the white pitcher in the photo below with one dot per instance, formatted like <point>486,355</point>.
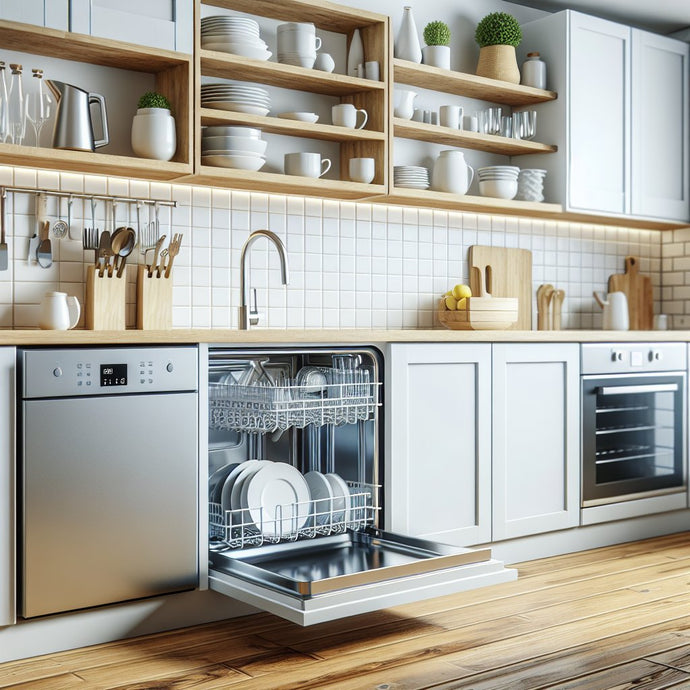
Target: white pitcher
<point>59,311</point>
<point>451,173</point>
<point>615,308</point>
<point>405,107</point>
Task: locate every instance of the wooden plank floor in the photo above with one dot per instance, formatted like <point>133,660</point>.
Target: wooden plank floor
<point>616,617</point>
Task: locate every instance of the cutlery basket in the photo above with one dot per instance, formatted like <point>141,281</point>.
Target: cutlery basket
<point>106,299</point>
<point>154,301</point>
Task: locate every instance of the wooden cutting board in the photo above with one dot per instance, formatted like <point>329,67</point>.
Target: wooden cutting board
<point>638,289</point>
<point>508,274</point>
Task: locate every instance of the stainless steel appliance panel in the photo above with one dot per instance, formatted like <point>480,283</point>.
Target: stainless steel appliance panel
<point>632,358</point>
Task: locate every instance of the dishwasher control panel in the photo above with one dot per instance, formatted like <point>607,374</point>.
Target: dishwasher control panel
<point>61,372</point>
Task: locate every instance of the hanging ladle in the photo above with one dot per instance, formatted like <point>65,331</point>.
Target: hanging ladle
<point>122,244</point>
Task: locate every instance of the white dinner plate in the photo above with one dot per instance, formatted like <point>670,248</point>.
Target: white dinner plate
<point>322,496</point>
<point>226,492</point>
<point>237,107</point>
<point>247,473</point>
<point>277,484</point>
<point>252,163</point>
<point>216,481</point>
<point>341,497</point>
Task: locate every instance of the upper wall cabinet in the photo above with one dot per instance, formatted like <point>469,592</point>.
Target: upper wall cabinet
<point>51,13</point>
<point>621,119</point>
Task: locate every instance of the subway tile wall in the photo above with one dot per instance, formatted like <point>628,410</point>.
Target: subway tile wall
<point>675,289</point>
<point>352,265</point>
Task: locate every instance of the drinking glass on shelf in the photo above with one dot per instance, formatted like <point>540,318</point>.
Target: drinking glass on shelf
<point>491,121</point>
<point>525,124</point>
<point>506,126</point>
<point>16,114</point>
<point>4,105</point>
<point>38,106</point>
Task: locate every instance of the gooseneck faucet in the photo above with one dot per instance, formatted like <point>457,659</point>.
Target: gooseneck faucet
<point>249,312</point>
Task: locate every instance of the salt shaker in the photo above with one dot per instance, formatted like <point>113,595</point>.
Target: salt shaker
<point>534,71</point>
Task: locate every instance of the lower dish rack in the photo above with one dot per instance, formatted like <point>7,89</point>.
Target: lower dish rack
<point>245,527</point>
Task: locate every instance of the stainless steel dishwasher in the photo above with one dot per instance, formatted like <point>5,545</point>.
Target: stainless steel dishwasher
<point>107,476</point>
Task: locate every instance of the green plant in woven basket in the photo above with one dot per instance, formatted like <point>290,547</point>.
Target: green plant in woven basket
<point>151,99</point>
<point>437,34</point>
<point>498,28</point>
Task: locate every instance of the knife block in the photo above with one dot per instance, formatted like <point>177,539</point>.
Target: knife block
<point>154,301</point>
<point>106,299</point>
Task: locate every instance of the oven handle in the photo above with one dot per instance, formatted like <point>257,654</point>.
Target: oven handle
<point>651,388</point>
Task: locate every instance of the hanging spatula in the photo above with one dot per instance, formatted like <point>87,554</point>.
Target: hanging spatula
<point>4,254</point>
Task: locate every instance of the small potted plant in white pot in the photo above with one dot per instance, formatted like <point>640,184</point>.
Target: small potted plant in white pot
<point>153,128</point>
<point>437,50</point>
<point>498,34</point>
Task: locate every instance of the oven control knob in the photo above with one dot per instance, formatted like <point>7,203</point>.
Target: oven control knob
<point>169,367</point>
<point>57,372</point>
<point>616,356</point>
<point>655,355</point>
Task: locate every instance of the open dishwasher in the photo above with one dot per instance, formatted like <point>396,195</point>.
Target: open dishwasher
<point>295,477</point>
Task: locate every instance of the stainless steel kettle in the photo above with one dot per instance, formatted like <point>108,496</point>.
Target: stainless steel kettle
<point>73,125</point>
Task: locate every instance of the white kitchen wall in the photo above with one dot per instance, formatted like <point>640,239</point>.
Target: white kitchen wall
<point>352,265</point>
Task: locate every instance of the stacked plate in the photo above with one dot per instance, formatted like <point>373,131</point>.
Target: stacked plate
<point>411,176</point>
<point>236,35</point>
<point>238,98</point>
<point>500,181</point>
<point>233,147</point>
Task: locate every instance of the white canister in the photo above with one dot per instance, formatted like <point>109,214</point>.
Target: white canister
<point>153,134</point>
<point>58,311</point>
<point>533,71</point>
<point>451,173</point>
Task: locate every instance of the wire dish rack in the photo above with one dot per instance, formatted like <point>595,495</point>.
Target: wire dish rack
<point>241,528</point>
<point>335,397</point>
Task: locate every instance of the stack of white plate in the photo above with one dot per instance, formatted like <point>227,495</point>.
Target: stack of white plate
<point>238,98</point>
<point>500,181</point>
<point>531,185</point>
<point>236,35</point>
<point>233,147</point>
<point>411,176</point>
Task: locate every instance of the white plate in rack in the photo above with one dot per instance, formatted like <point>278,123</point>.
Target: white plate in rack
<point>277,484</point>
<point>217,480</point>
<point>341,497</point>
<point>226,493</point>
<point>321,495</point>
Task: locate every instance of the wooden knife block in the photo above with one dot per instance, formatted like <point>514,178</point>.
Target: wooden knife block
<point>154,301</point>
<point>106,299</point>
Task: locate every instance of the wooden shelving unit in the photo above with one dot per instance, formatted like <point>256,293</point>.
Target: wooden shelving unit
<point>435,134</point>
<point>470,85</point>
<point>173,74</point>
<point>373,96</point>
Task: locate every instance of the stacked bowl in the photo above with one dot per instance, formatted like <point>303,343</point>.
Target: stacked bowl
<point>238,98</point>
<point>411,176</point>
<point>238,35</point>
<point>233,147</point>
<point>499,181</point>
<point>531,185</point>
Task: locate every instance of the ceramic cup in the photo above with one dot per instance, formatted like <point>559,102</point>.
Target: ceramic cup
<point>362,169</point>
<point>450,116</point>
<point>306,164</point>
<point>372,70</point>
<point>345,115</point>
<point>324,62</point>
<point>660,322</point>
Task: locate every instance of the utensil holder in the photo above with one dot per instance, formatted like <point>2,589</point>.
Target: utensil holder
<point>154,301</point>
<point>106,298</point>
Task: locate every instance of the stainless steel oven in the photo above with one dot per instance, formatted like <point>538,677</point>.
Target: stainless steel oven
<point>294,490</point>
<point>633,422</point>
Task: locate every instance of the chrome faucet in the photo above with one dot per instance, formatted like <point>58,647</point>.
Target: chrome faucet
<point>249,312</point>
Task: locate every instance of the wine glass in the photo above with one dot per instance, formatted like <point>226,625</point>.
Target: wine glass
<point>38,107</point>
<point>4,105</point>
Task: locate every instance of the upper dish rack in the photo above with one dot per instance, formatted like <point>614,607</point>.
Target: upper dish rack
<point>317,395</point>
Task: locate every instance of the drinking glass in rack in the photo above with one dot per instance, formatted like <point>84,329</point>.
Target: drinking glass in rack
<point>4,105</point>
<point>16,112</point>
<point>38,106</point>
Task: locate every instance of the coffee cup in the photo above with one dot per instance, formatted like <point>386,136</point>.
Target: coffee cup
<point>450,116</point>
<point>306,164</point>
<point>297,44</point>
<point>362,169</point>
<point>345,115</point>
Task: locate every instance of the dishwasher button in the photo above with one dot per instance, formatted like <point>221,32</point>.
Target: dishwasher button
<point>57,372</point>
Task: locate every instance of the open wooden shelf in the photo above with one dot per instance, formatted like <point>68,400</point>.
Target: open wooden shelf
<point>283,184</point>
<point>276,125</point>
<point>470,85</point>
<point>435,134</point>
<point>229,66</point>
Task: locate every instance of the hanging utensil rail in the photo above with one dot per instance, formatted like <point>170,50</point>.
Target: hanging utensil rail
<point>84,195</point>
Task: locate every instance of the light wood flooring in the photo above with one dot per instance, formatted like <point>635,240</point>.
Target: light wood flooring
<point>610,618</point>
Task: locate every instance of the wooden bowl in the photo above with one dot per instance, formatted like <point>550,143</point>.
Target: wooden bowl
<point>482,314</point>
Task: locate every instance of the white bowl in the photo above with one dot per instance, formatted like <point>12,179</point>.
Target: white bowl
<point>231,131</point>
<point>500,189</point>
<point>249,144</point>
<point>243,50</point>
<point>224,160</point>
<point>300,116</point>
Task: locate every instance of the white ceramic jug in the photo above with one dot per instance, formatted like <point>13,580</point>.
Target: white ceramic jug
<point>59,311</point>
<point>615,308</point>
<point>451,173</point>
<point>405,107</point>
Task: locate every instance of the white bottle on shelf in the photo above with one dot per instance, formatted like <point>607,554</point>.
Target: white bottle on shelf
<point>534,71</point>
<point>355,56</point>
<point>407,45</point>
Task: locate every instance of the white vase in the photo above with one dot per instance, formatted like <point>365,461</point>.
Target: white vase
<point>355,56</point>
<point>407,45</point>
<point>153,134</point>
<point>437,56</point>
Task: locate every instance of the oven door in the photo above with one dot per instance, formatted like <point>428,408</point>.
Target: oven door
<point>632,437</point>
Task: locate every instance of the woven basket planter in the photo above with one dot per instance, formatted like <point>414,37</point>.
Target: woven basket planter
<point>498,62</point>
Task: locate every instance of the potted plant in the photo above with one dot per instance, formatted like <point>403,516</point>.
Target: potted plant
<point>153,128</point>
<point>437,50</point>
<point>498,34</point>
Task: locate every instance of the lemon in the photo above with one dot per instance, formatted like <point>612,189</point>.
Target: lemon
<point>460,291</point>
<point>451,303</point>
<point>461,304</point>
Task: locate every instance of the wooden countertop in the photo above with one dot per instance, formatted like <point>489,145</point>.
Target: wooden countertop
<point>263,336</point>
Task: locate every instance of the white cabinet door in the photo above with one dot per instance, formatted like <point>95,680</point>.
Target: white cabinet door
<point>536,438</point>
<point>659,126</point>
<point>7,507</point>
<point>438,423</point>
<point>599,117</point>
<point>51,13</point>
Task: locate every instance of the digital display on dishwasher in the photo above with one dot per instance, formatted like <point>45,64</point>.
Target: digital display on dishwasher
<point>113,374</point>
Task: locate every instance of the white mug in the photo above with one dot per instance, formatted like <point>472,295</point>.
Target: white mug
<point>59,311</point>
<point>362,169</point>
<point>345,115</point>
<point>306,164</point>
<point>372,70</point>
<point>450,116</point>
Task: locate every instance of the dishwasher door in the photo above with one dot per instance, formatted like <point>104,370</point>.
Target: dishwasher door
<point>109,504</point>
